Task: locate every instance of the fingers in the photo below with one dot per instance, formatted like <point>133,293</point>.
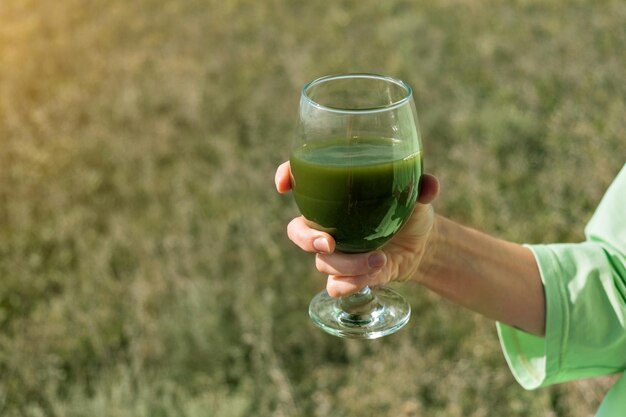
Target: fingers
<point>348,273</point>
<point>342,264</point>
<point>308,239</point>
<point>282,179</point>
<point>343,286</point>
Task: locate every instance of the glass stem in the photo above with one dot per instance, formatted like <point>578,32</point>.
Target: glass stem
<point>359,303</point>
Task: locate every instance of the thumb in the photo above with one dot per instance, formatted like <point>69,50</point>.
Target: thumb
<point>429,189</point>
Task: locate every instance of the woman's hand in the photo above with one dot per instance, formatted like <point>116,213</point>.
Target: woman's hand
<point>347,273</point>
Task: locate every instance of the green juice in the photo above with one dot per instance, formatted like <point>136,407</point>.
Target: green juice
<point>360,190</point>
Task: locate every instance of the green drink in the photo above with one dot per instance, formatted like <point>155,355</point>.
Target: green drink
<point>360,190</point>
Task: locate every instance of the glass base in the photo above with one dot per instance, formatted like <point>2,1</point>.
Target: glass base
<point>369,314</point>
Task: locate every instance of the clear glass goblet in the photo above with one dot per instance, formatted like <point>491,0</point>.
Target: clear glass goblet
<point>356,164</point>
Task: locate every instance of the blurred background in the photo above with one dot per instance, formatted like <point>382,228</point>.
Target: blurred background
<point>144,264</point>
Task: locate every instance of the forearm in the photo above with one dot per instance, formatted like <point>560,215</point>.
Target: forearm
<point>493,277</point>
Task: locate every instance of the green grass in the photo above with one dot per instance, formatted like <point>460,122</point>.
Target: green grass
<point>144,265</point>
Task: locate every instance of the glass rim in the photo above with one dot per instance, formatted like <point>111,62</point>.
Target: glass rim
<point>386,107</point>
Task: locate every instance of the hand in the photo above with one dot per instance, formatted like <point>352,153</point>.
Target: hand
<point>399,259</point>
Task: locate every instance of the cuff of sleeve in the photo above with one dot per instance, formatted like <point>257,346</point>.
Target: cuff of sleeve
<point>535,361</point>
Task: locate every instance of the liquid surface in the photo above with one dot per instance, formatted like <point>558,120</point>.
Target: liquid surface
<point>359,190</point>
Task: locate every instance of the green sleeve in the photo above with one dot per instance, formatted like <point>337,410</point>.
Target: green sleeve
<point>585,288</point>
<point>585,319</point>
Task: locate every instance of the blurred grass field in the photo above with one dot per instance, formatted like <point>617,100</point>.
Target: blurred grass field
<point>144,266</point>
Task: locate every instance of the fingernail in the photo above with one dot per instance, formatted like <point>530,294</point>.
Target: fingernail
<point>321,244</point>
<point>377,260</point>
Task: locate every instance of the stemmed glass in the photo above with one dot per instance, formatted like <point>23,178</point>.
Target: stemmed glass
<point>356,164</point>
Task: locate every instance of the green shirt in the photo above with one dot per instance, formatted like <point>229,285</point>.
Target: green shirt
<point>585,288</point>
